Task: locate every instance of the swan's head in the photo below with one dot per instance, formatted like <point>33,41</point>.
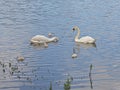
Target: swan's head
<point>75,28</point>
<point>55,39</point>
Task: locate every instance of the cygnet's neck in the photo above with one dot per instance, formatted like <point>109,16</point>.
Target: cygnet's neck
<point>53,39</point>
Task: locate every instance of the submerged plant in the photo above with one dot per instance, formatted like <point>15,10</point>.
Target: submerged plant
<point>50,88</point>
<point>90,76</point>
<point>67,84</point>
<point>91,66</point>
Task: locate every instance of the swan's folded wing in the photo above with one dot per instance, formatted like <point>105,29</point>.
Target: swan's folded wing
<point>40,38</point>
<point>87,39</point>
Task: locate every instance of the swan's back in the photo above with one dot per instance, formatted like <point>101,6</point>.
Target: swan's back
<point>86,39</point>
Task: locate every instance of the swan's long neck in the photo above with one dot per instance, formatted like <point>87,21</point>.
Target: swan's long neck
<point>53,39</point>
<point>78,34</point>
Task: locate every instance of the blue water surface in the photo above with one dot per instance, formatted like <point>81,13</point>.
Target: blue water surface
<point>20,20</point>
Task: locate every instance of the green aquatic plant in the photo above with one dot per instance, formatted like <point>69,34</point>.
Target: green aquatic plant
<point>10,64</point>
<point>90,76</point>
<point>91,66</point>
<point>50,88</point>
<point>14,68</point>
<point>67,84</point>
<point>4,70</point>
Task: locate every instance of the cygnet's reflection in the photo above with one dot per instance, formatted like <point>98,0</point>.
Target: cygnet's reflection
<point>43,45</point>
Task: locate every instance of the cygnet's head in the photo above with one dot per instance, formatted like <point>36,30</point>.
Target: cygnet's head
<point>75,28</point>
<point>50,35</point>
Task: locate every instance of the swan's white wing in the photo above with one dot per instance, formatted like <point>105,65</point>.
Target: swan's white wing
<point>87,39</point>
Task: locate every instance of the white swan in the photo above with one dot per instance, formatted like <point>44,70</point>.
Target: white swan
<point>41,39</point>
<point>85,39</point>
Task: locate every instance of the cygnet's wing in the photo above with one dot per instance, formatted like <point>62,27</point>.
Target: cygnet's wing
<point>40,38</point>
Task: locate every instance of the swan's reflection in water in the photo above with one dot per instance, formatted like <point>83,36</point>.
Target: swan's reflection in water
<point>76,50</point>
<point>86,46</point>
<point>79,46</point>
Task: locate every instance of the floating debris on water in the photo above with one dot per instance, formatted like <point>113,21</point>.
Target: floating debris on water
<point>74,55</point>
<point>20,58</point>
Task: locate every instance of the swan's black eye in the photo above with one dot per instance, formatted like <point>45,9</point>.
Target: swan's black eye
<point>73,29</point>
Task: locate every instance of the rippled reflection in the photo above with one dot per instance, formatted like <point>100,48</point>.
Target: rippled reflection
<point>86,46</point>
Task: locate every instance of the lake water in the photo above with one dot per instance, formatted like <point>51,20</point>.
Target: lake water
<point>43,67</point>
